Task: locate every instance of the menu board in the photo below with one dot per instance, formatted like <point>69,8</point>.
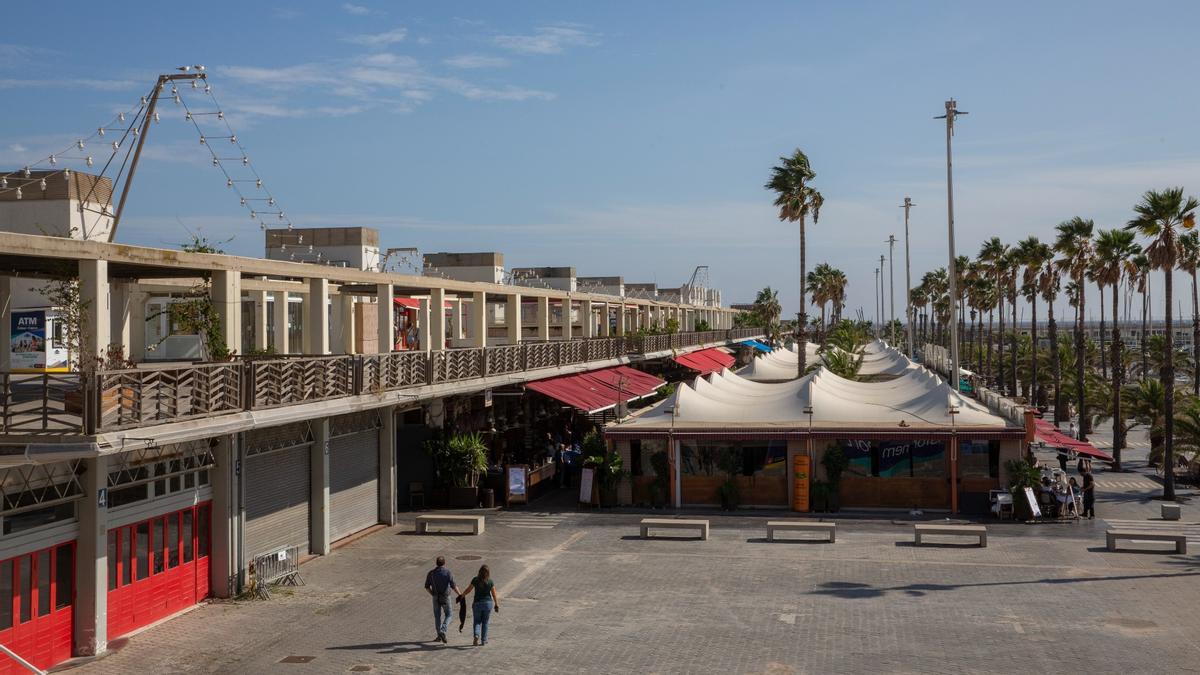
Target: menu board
<point>585,485</point>
<point>1033,503</point>
<point>517,492</point>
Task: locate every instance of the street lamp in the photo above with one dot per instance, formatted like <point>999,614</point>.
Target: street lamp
<point>952,112</point>
<point>908,313</point>
<point>891,242</point>
<point>877,301</point>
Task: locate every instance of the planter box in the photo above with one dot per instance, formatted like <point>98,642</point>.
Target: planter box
<point>1171,511</point>
<point>464,498</point>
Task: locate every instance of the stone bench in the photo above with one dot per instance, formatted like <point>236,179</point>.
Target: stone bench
<point>674,523</point>
<point>827,529</point>
<point>1179,539</point>
<point>424,521</point>
<point>925,529</point>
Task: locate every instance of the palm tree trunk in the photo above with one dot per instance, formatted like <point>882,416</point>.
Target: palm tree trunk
<point>991,332</point>
<point>1103,361</point>
<point>1012,301</point>
<point>1168,381</point>
<point>1145,347</point>
<point>1118,373</point>
<point>1195,338</point>
<point>1057,363</point>
<point>1000,357</point>
<point>1033,350</point>
<point>1080,400</point>
<point>802,329</point>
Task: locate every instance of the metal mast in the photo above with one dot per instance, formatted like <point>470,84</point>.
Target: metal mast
<point>908,313</point>
<point>952,112</point>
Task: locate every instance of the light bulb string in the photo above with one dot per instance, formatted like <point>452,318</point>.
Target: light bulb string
<point>66,153</point>
<point>219,162</point>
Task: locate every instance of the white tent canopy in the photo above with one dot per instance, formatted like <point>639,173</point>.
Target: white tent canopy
<point>916,400</point>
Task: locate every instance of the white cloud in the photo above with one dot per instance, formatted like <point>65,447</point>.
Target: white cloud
<point>356,10</point>
<point>384,39</point>
<point>552,39</point>
<point>470,61</point>
<point>85,83</point>
<point>18,148</point>
<point>286,13</point>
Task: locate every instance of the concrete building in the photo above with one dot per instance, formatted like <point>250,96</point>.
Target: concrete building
<point>559,278</point>
<point>356,247</point>
<point>487,267</point>
<point>603,285</point>
<point>131,493</point>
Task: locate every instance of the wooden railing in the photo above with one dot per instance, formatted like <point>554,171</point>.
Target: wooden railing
<point>123,399</point>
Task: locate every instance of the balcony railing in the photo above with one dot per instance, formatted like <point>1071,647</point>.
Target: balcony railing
<point>112,400</point>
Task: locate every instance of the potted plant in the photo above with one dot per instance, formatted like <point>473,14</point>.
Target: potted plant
<point>820,496</point>
<point>1022,474</point>
<point>835,462</point>
<point>661,485</point>
<point>460,460</point>
<point>730,462</point>
<point>606,464</point>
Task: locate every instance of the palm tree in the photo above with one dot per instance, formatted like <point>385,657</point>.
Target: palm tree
<point>1141,265</point>
<point>1146,406</point>
<point>1115,250</point>
<point>919,297</point>
<point>1189,261</point>
<point>1012,264</point>
<point>837,288</point>
<point>1049,284</point>
<point>1159,216</point>
<point>1074,243</point>
<point>797,200</point>
<point>766,307</point>
<point>992,255</point>
<point>1034,255</point>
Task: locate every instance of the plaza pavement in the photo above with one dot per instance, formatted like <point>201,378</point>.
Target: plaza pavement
<point>581,594</point>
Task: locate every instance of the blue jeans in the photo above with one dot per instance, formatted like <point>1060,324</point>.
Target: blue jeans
<point>441,613</point>
<point>481,612</point>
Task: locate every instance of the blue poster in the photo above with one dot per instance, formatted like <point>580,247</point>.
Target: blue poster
<point>28,343</point>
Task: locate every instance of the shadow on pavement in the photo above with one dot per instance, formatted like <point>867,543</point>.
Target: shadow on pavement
<point>660,537</point>
<point>402,647</point>
<point>764,540</point>
<point>856,591</point>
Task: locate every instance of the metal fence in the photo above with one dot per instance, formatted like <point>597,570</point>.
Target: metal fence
<point>278,568</point>
<point>61,403</point>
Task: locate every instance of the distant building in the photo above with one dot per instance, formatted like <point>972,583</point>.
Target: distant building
<point>353,247</point>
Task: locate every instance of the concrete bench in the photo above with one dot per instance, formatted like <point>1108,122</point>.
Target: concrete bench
<point>1179,539</point>
<point>424,521</point>
<point>925,529</point>
<point>674,523</point>
<point>827,529</point>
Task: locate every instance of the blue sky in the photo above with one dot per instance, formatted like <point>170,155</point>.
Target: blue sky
<point>630,138</point>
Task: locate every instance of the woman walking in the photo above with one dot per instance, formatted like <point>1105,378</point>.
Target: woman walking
<point>485,602</point>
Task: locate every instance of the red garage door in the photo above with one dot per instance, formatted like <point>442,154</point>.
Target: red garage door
<point>157,567</point>
<point>37,597</point>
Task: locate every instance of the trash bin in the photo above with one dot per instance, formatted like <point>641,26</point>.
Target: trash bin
<point>488,497</point>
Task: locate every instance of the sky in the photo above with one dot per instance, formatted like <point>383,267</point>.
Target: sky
<point>628,138</point>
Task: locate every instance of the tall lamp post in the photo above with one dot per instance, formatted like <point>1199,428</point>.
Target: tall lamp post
<point>952,112</point>
<point>908,313</point>
<point>891,242</point>
<point>876,302</point>
<point>882,295</point>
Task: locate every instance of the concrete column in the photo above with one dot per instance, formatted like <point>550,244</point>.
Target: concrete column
<point>316,328</point>
<point>260,319</point>
<point>91,560</point>
<point>587,319</point>
<point>512,317</point>
<point>5,324</point>
<point>647,318</point>
<point>93,292</point>
<point>543,318</point>
<point>279,319</point>
<point>318,504</point>
<point>137,325</point>
<point>565,319</point>
<point>387,466</point>
<point>224,564</point>
<point>343,325</point>
<point>119,318</point>
<point>423,320</point>
<point>460,319</point>
<point>227,301</point>
<point>437,315</point>
<point>386,318</point>
<point>605,323</point>
<point>621,309</point>
<point>479,319</point>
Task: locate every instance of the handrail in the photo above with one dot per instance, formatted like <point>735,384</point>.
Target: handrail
<point>21,662</point>
<point>110,400</point>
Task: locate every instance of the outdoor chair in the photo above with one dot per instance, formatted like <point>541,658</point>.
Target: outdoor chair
<point>416,491</point>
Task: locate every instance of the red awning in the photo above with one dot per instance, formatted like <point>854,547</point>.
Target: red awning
<point>599,389</point>
<point>706,360</point>
<point>414,303</point>
<point>1051,436</point>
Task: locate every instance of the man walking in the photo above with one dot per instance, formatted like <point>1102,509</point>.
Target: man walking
<point>1089,495</point>
<point>439,582</point>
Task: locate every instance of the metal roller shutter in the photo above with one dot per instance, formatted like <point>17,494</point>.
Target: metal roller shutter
<point>277,498</point>
<point>353,483</point>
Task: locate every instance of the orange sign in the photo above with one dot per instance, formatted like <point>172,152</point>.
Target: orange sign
<point>801,479</point>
